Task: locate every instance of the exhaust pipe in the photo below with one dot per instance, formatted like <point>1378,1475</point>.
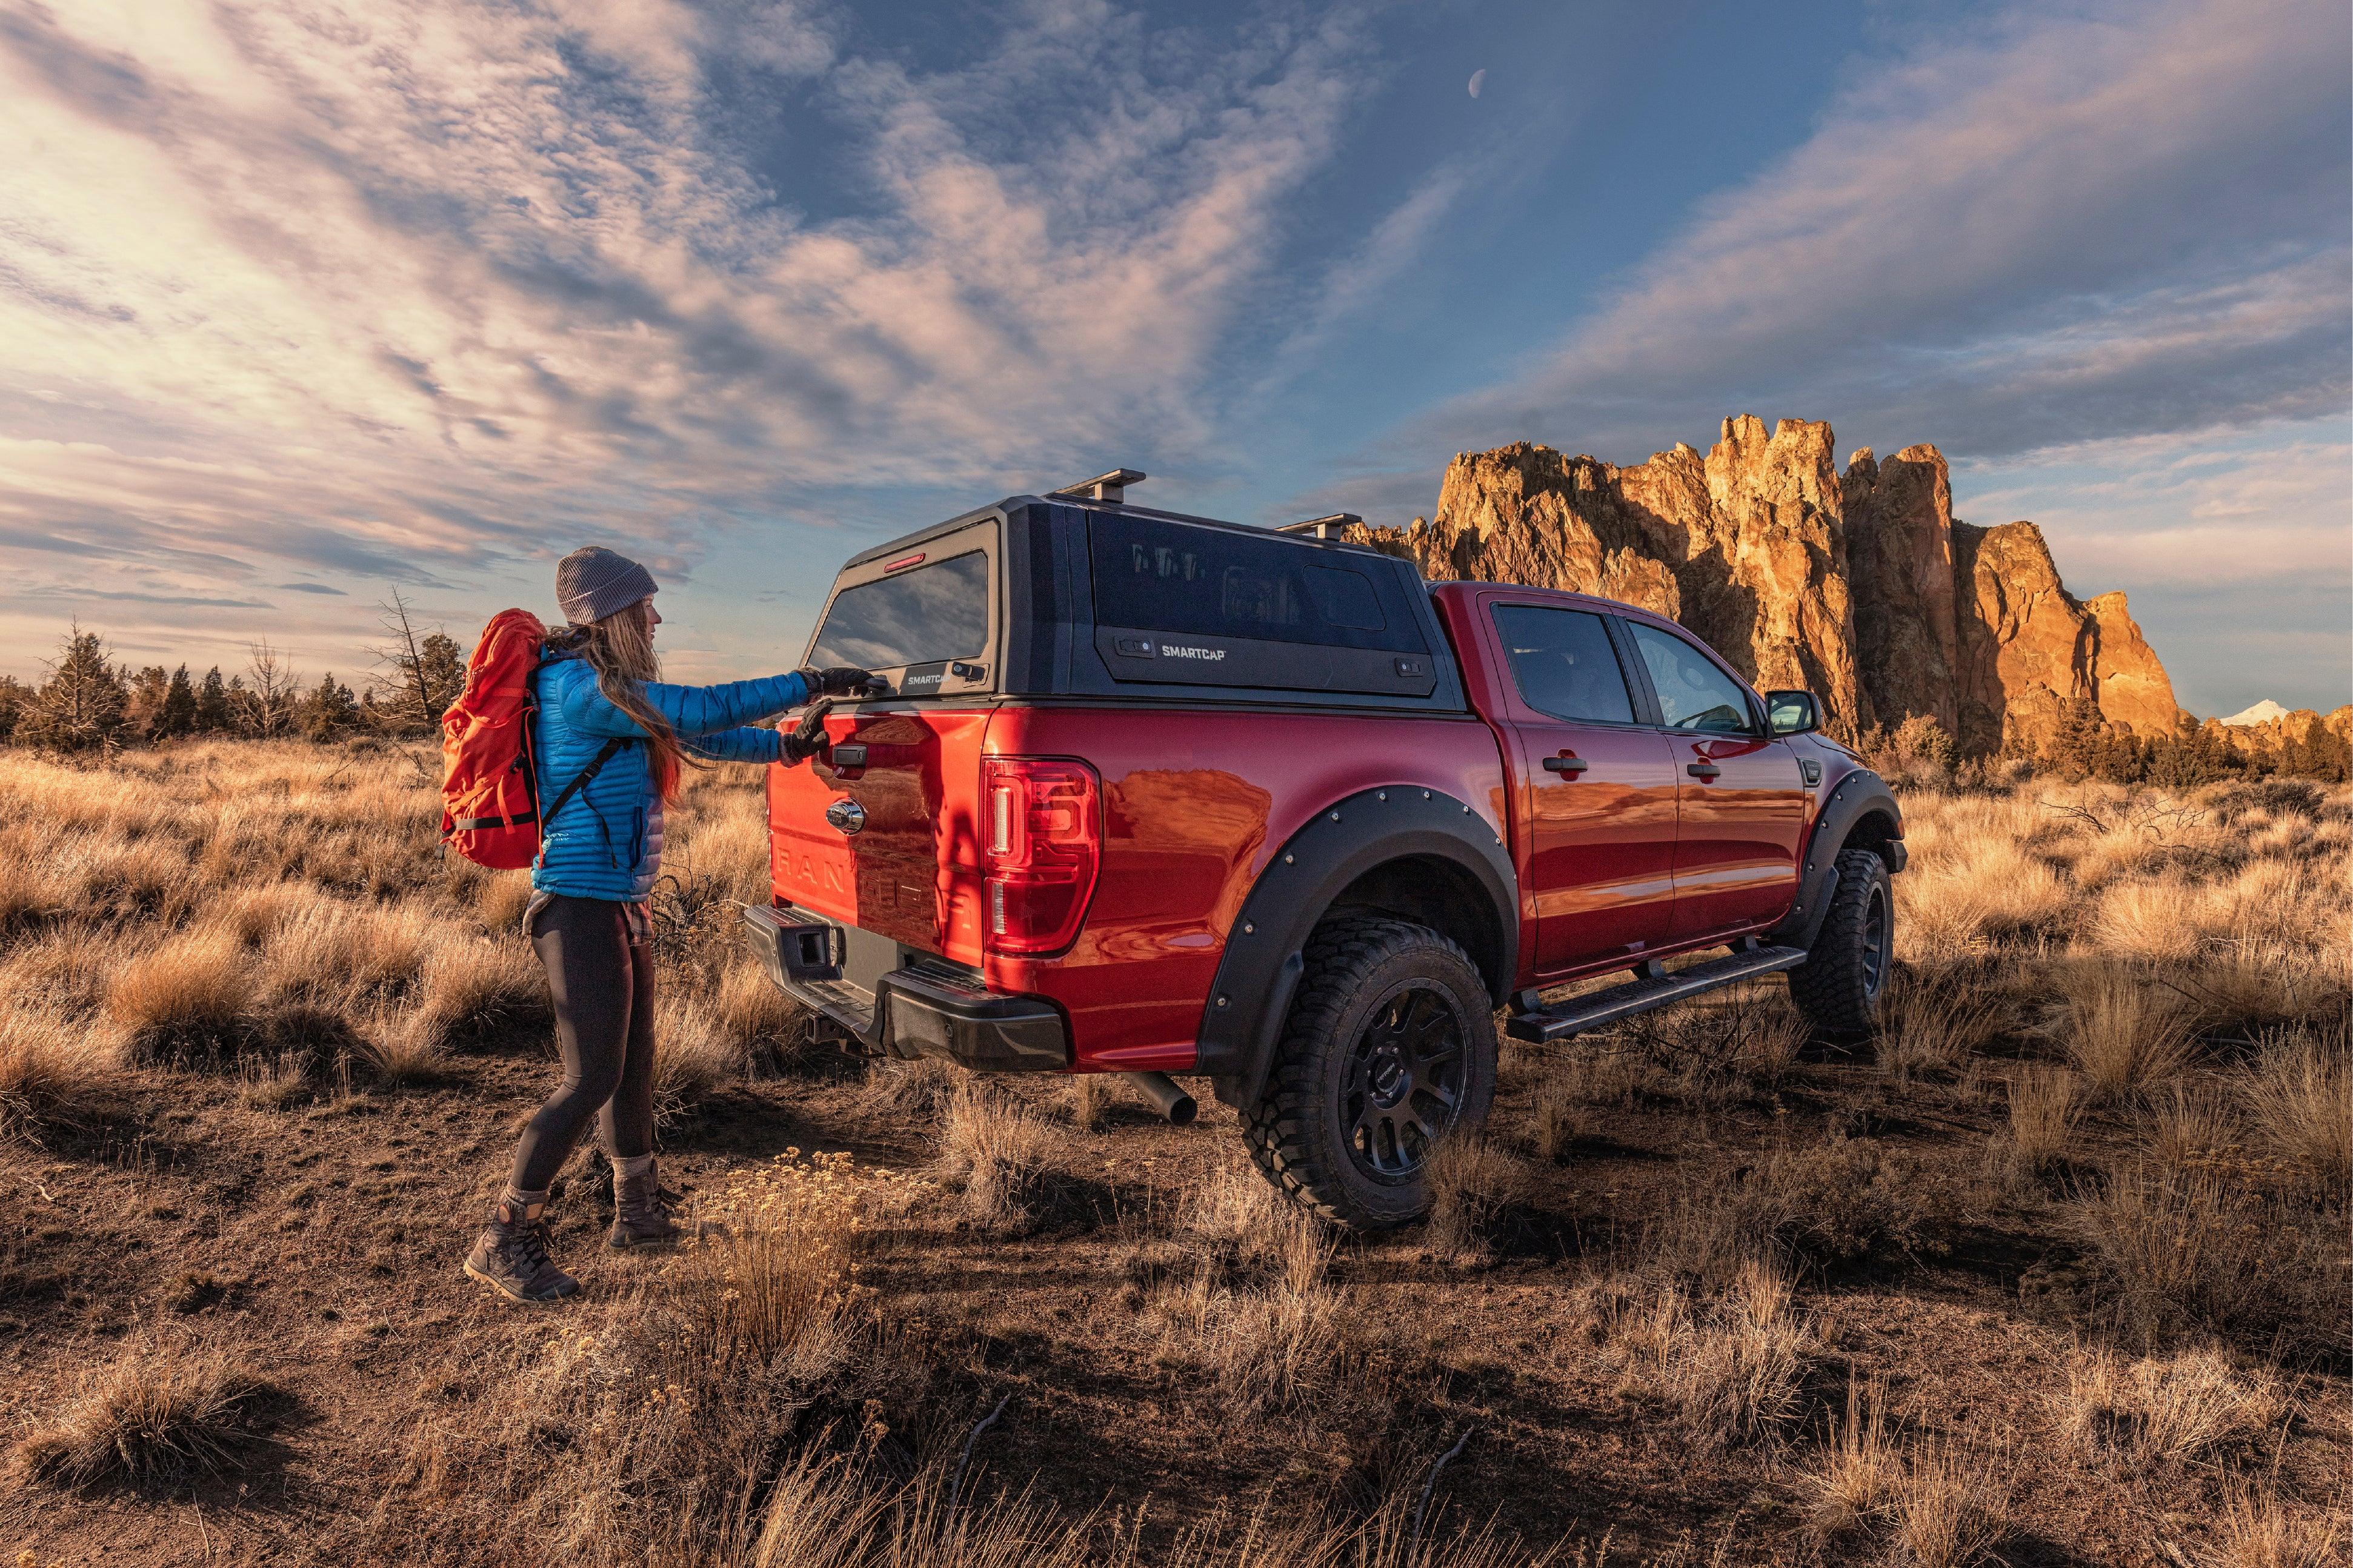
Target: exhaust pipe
<point>1166,1098</point>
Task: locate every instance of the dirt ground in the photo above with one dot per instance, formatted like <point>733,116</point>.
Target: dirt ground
<point>1712,1291</point>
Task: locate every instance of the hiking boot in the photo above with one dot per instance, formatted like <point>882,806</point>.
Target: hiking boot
<point>640,1211</point>
<point>510,1258</point>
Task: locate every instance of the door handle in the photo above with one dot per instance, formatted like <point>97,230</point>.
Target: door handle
<point>1572,766</point>
<point>1703,770</point>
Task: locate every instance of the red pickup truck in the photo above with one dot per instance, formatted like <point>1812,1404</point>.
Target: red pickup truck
<point>1156,794</point>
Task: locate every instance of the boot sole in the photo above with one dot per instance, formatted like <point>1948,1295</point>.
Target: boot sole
<point>503,1288</point>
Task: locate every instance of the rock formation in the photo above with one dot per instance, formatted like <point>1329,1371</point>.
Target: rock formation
<point>1862,588</point>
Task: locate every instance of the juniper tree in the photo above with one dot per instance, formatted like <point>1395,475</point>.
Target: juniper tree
<point>177,716</point>
<point>213,714</point>
<point>81,704</point>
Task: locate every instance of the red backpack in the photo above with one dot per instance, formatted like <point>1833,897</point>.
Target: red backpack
<point>490,776</point>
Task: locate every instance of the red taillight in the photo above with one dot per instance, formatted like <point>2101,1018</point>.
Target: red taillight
<point>1041,844</point>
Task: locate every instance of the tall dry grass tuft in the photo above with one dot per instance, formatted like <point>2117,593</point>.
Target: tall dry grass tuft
<point>2258,1530</point>
<point>1950,1508</point>
<point>2299,1099</point>
<point>53,1073</point>
<point>1733,1368</point>
<point>1086,1100</point>
<point>1857,1473</point>
<point>1471,1179</point>
<point>190,990</point>
<point>2151,1411</point>
<point>155,1416</point>
<point>992,1151</point>
<point>2123,1032</point>
<point>694,1054</point>
<point>2043,1110</point>
<point>1934,1029</point>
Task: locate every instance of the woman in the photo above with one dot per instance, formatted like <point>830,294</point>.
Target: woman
<point>611,740</point>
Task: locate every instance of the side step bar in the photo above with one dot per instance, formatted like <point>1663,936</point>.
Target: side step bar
<point>1597,1008</point>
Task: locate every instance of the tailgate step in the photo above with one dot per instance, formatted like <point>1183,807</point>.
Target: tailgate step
<point>1597,1008</point>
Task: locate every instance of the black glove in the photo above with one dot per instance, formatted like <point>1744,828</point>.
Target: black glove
<point>843,681</point>
<point>808,737</point>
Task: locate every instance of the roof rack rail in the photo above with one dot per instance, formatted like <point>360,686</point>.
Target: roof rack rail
<point>1322,527</point>
<point>1102,486</point>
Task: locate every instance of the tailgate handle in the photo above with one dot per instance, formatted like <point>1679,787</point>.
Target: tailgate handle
<point>851,754</point>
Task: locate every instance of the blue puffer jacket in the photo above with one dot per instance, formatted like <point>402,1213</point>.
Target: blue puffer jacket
<point>606,841</point>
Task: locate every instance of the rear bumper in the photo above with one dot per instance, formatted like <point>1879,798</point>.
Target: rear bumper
<point>912,1011</point>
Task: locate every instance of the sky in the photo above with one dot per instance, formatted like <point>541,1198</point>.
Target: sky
<point>303,301</point>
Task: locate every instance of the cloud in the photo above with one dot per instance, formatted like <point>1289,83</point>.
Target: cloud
<point>429,291</point>
<point>128,595</point>
<point>2092,225</point>
<point>312,588</point>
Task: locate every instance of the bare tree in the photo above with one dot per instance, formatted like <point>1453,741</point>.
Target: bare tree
<point>420,672</point>
<point>267,702</point>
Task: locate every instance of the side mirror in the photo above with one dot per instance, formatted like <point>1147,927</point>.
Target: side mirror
<point>1791,712</point>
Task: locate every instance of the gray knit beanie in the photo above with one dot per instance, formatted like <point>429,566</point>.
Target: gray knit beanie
<point>594,581</point>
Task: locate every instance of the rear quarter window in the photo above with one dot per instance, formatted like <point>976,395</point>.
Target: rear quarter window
<point>926,614</point>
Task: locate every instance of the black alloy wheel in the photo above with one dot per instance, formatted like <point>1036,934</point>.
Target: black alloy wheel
<point>1878,937</point>
<point>1403,1081</point>
<point>1853,954</point>
<point>1390,1044</point>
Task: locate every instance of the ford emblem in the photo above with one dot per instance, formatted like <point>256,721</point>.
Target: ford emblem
<point>845,815</point>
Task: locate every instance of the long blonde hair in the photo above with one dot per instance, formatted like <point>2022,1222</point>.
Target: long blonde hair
<point>620,649</point>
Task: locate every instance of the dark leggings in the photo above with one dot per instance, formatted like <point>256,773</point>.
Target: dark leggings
<point>603,983</point>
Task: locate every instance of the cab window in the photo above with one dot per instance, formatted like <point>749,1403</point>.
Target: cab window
<point>1564,664</point>
<point>1694,693</point>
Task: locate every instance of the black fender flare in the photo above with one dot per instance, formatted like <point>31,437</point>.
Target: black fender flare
<point>1265,954</point>
<point>1858,795</point>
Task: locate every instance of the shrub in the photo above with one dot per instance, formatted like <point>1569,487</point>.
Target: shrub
<point>2194,1249</point>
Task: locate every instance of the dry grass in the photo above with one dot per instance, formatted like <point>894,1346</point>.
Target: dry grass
<point>154,1417</point>
<point>53,1072</point>
<point>1733,1367</point>
<point>2045,1107</point>
<point>1950,1507</point>
<point>1086,1100</point>
<point>1934,1030</point>
<point>2299,1099</point>
<point>191,990</point>
<point>992,1152</point>
<point>1470,1181</point>
<point>693,1053</point>
<point>1927,1504</point>
<point>2259,1531</point>
<point>2123,1032</point>
<point>2151,1411</point>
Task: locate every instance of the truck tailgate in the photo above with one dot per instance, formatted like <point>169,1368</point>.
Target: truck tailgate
<point>884,834</point>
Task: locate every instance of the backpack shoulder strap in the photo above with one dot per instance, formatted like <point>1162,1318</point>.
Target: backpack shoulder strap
<point>604,754</point>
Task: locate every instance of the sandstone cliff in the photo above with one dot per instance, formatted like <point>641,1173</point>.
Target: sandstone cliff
<point>1861,588</point>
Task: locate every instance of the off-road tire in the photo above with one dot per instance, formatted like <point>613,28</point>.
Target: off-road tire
<point>1839,986</point>
<point>1355,967</point>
